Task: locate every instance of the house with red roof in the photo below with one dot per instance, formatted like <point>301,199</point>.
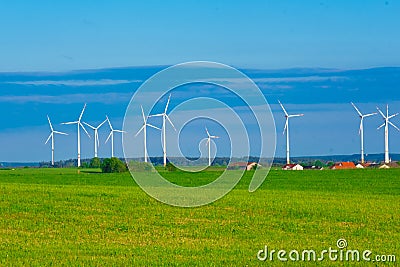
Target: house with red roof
<point>343,165</point>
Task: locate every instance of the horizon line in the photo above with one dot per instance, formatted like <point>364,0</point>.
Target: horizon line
<point>94,69</point>
<point>220,157</point>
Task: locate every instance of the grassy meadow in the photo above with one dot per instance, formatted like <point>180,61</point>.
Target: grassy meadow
<point>62,217</point>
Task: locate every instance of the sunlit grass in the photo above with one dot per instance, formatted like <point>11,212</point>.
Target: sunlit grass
<point>62,217</point>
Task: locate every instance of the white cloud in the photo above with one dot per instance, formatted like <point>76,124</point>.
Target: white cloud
<point>241,82</point>
<point>301,79</point>
<point>75,82</point>
<point>106,98</point>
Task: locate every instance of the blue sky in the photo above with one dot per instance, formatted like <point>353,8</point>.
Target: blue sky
<point>55,56</point>
<point>70,35</point>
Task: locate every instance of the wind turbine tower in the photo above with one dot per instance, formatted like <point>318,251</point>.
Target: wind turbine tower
<point>165,117</point>
<point>286,129</point>
<point>386,123</point>
<point>144,129</point>
<point>52,139</point>
<point>361,130</point>
<point>209,145</point>
<point>111,135</point>
<point>96,136</point>
<point>79,125</point>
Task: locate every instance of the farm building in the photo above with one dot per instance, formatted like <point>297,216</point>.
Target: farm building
<point>243,165</point>
<point>392,164</point>
<point>343,165</point>
<point>293,167</point>
<point>363,165</point>
<point>312,167</point>
<point>252,165</point>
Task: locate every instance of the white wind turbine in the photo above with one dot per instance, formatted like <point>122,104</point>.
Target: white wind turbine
<point>144,129</point>
<point>52,139</point>
<point>79,124</point>
<point>165,117</point>
<point>96,136</point>
<point>386,124</point>
<point>361,130</point>
<point>209,145</point>
<point>287,116</point>
<point>112,130</point>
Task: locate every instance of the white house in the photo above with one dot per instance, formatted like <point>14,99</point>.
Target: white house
<point>293,167</point>
<point>250,165</point>
<point>359,166</point>
<point>384,166</point>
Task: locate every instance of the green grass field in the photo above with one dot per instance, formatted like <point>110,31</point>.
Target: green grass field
<point>59,217</point>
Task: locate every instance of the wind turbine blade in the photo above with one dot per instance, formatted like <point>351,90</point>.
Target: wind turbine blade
<point>70,122</point>
<point>286,125</point>
<point>89,125</point>
<point>369,115</point>
<point>392,116</point>
<point>394,125</point>
<point>152,126</point>
<point>383,115</point>
<point>361,125</point>
<point>296,115</point>
<point>57,132</point>
<point>101,124</point>
<point>208,140</point>
<point>170,122</point>
<point>108,137</point>
<point>141,129</point>
<point>48,138</point>
<point>109,123</point>
<point>207,132</point>
<point>156,115</point>
<point>51,126</point>
<point>166,106</point>
<point>284,110</point>
<point>84,129</point>
<point>358,111</point>
<point>119,131</point>
<point>387,110</point>
<point>214,136</point>
<point>144,118</point>
<point>380,126</point>
<point>83,110</point>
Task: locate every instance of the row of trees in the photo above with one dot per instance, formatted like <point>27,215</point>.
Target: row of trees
<point>112,165</point>
<point>107,165</point>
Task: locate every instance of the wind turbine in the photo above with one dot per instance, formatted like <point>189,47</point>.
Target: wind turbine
<point>209,145</point>
<point>165,117</point>
<point>112,130</point>
<point>52,139</point>
<point>96,136</point>
<point>79,124</point>
<point>287,116</point>
<point>361,131</point>
<point>144,129</point>
<point>386,124</point>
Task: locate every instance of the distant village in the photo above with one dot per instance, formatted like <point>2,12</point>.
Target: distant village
<point>299,163</point>
<point>317,166</point>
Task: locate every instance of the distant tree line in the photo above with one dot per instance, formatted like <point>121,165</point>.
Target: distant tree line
<point>319,161</point>
<point>158,161</point>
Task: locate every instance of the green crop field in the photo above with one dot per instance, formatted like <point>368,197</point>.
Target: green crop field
<point>62,217</point>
